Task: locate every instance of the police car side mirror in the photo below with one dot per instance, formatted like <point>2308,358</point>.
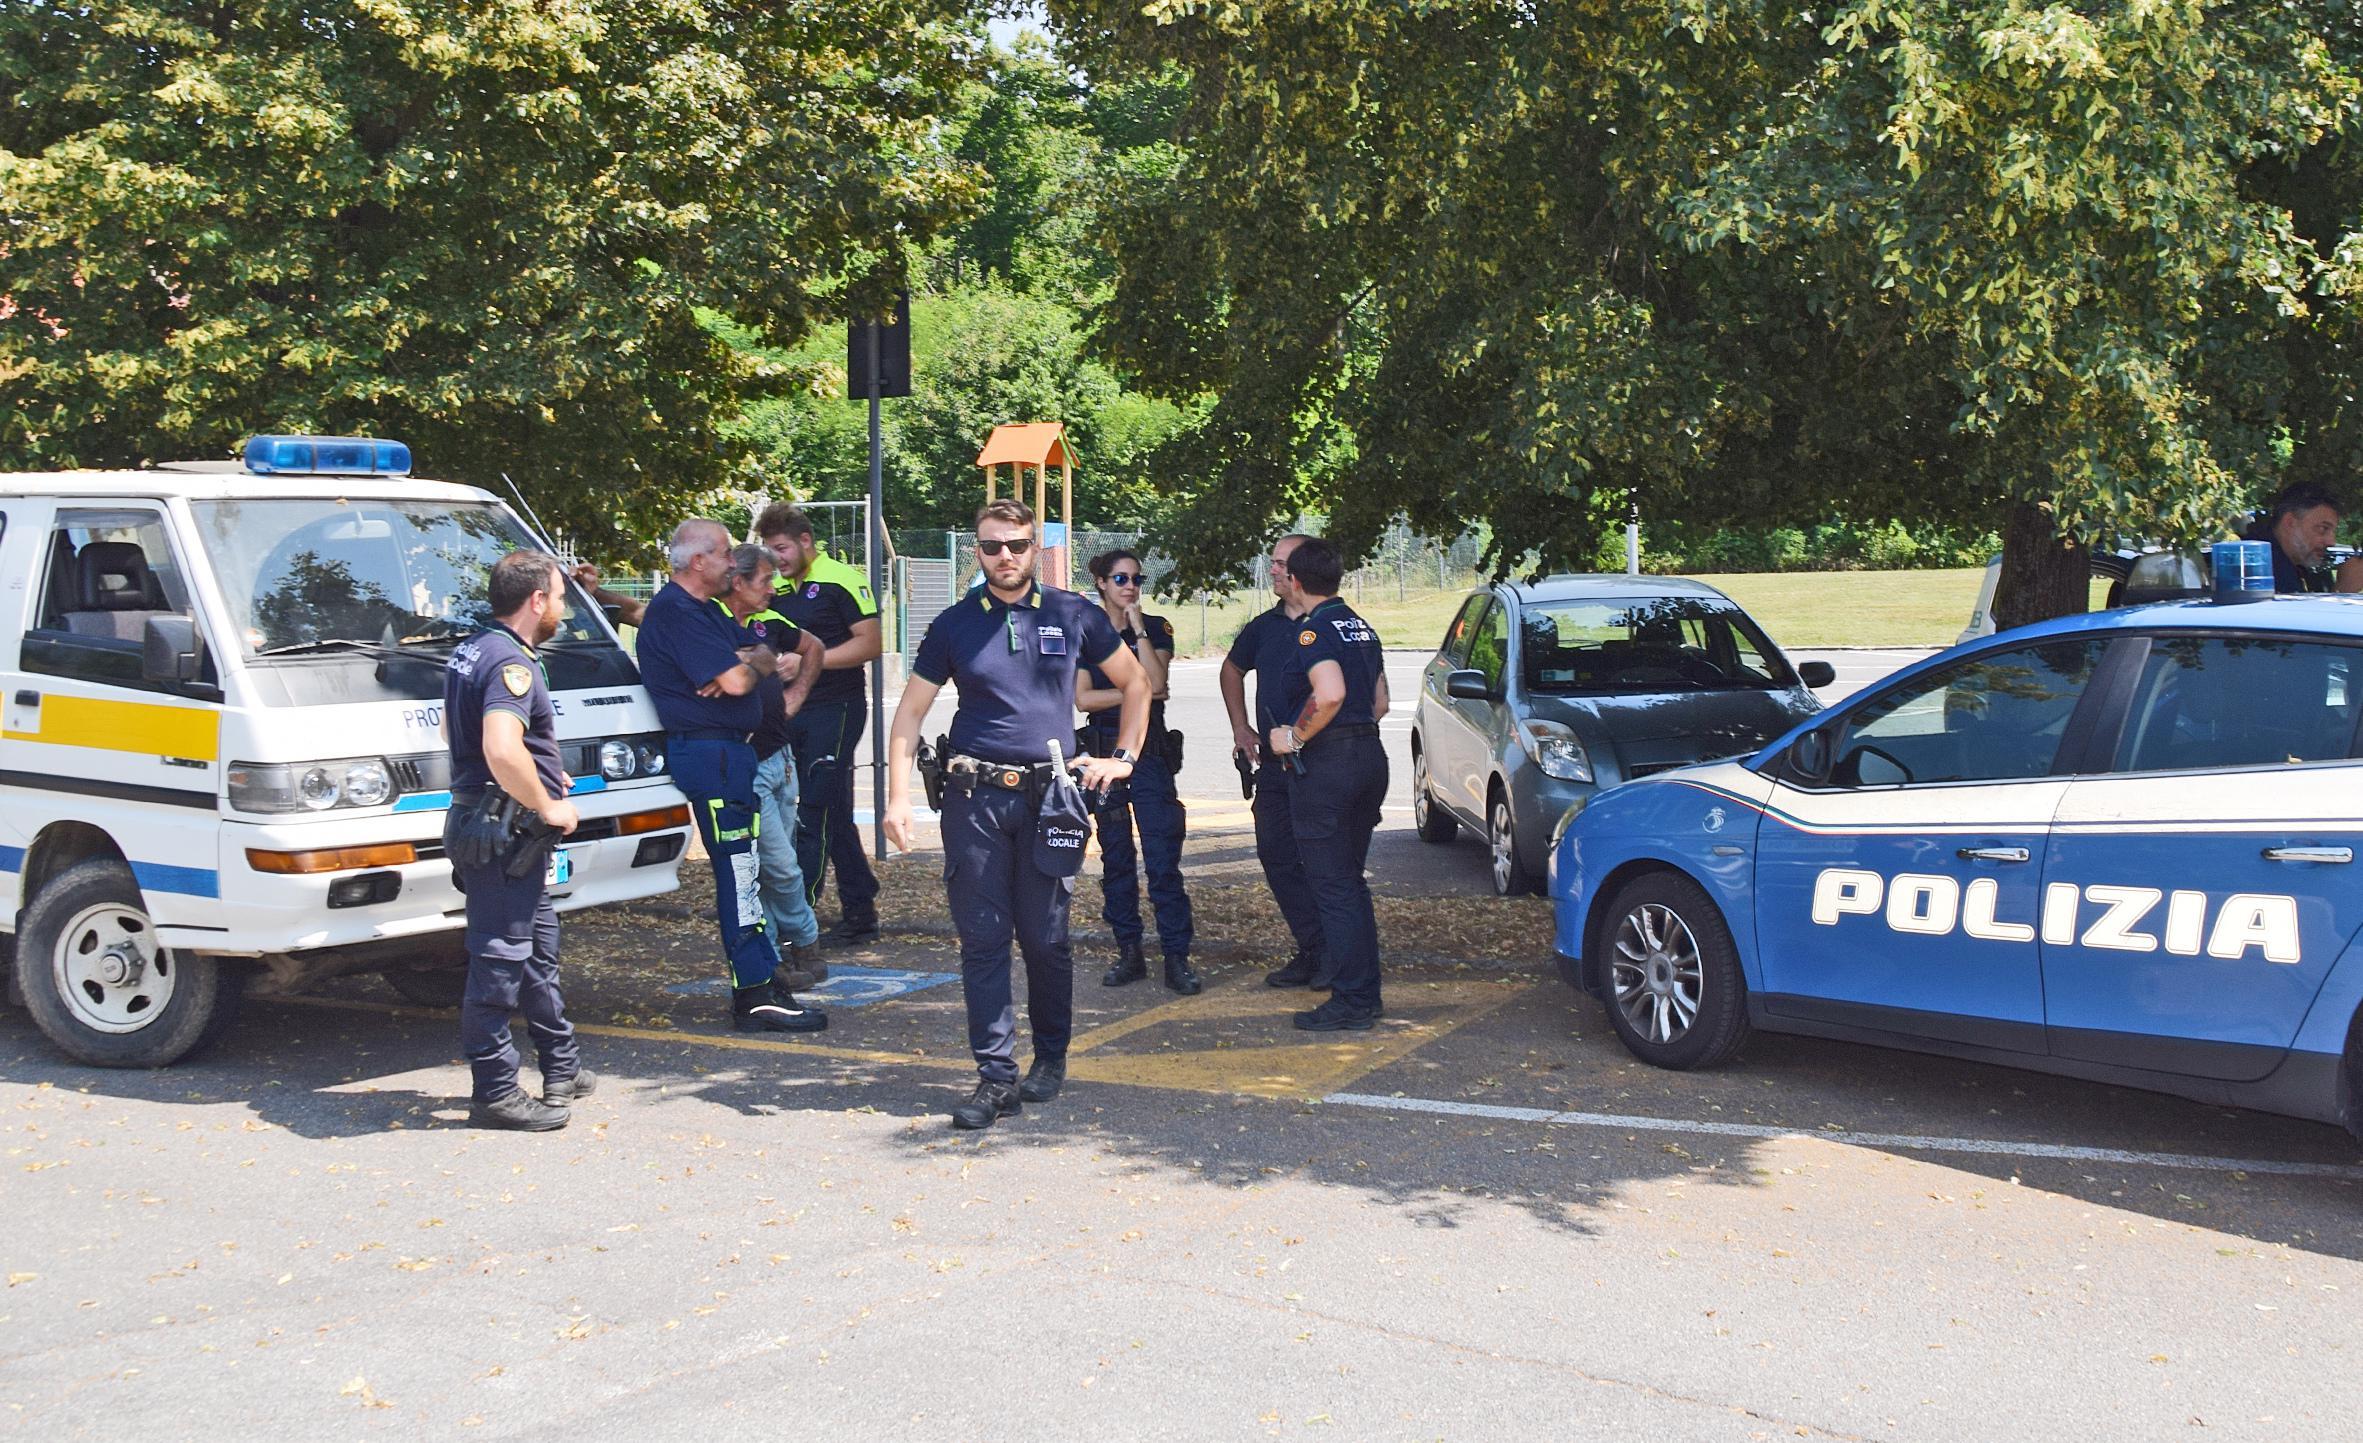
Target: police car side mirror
<point>1816,674</point>
<point>170,650</point>
<point>1467,685</point>
<point>1809,756</point>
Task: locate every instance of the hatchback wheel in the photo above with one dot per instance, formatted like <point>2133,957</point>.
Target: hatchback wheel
<point>1511,876</point>
<point>1676,996</point>
<point>1434,823</point>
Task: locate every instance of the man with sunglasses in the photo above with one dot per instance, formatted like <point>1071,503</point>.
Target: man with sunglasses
<point>1264,646</point>
<point>1013,646</point>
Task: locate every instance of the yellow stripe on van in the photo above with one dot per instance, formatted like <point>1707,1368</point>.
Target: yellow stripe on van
<point>193,732</point>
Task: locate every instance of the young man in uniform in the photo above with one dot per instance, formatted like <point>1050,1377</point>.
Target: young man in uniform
<point>1333,689</point>
<point>794,930</point>
<point>1013,647</point>
<point>832,601</point>
<point>1147,798</point>
<point>1261,647</point>
<point>703,672</point>
<point>504,737</point>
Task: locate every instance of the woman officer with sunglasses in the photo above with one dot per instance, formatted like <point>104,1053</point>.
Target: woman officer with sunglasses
<point>1147,798</point>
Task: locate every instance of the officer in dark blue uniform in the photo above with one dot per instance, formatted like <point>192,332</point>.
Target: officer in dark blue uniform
<point>704,672</point>
<point>1263,646</point>
<point>1013,647</point>
<point>1334,688</point>
<point>1147,798</point>
<point>504,738</point>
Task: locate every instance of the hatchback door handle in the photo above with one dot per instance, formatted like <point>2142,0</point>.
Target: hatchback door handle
<point>2309,854</point>
<point>1992,854</point>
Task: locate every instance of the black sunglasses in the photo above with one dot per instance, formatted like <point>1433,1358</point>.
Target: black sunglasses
<point>1016,545</point>
<point>1125,578</point>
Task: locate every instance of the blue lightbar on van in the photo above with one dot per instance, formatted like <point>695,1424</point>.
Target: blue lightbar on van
<point>326,456</point>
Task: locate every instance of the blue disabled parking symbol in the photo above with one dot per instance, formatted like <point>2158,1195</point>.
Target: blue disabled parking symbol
<point>846,987</point>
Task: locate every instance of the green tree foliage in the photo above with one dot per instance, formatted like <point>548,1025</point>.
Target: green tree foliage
<point>1953,261</point>
<point>497,229</point>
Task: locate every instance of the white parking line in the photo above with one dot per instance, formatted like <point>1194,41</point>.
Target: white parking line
<point>1897,1141</point>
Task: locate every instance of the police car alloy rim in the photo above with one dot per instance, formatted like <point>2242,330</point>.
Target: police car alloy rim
<point>1656,975</point>
<point>112,975</point>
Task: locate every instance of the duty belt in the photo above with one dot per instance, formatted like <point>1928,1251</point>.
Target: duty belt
<point>1008,776</point>
<point>1357,729</point>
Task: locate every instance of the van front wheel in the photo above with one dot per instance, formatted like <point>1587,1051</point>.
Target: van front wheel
<point>100,987</point>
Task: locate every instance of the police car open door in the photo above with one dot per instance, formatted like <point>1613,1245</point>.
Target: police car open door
<point>2202,880</point>
<point>1901,893</point>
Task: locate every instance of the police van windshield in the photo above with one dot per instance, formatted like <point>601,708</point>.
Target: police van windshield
<point>1630,645</point>
<point>387,587</point>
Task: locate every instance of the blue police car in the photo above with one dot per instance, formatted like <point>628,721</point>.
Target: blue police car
<point>2117,846</point>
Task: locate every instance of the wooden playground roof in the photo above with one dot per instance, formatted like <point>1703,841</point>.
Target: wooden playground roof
<point>1035,443</point>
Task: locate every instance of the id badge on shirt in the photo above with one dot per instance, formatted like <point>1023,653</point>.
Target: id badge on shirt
<point>1051,639</point>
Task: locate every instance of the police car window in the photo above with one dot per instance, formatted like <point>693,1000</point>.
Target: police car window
<point>2228,701</point>
<point>1456,636</point>
<point>1489,645</point>
<point>1640,645</point>
<point>302,575</point>
<point>106,574</point>
<point>1995,717</point>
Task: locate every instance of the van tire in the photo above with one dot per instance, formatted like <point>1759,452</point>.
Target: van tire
<point>87,912</point>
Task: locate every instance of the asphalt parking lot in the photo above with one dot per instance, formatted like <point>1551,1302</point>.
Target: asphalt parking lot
<point>1482,1220</point>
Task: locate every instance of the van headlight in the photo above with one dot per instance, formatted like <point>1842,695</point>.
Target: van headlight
<point>295,787</point>
<point>621,758</point>
<point>1554,748</point>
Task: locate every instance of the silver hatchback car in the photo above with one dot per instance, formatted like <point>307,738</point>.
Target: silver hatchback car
<point>1547,692</point>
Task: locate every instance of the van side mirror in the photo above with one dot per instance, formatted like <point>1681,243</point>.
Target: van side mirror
<point>1816,674</point>
<point>1809,756</point>
<point>1467,685</point>
<point>170,650</point>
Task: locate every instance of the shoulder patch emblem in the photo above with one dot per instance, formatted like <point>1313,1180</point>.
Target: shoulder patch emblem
<point>1304,638</point>
<point>518,679</point>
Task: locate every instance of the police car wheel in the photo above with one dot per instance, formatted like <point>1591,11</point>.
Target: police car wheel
<point>1433,822</point>
<point>1511,876</point>
<point>100,988</point>
<point>1675,993</point>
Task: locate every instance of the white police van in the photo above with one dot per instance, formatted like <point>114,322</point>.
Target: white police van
<point>221,763</point>
<point>2118,846</point>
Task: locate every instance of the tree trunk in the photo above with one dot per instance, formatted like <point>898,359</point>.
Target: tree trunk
<point>2044,574</point>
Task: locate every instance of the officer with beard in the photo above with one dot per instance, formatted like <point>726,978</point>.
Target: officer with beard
<point>1013,647</point>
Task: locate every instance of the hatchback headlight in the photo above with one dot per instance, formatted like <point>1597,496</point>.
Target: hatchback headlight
<point>1554,748</point>
<point>295,787</point>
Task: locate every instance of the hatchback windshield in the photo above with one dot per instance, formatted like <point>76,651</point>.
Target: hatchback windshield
<point>1645,644</point>
<point>376,582</point>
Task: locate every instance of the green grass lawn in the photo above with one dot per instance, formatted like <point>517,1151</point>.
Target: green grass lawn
<point>1798,609</point>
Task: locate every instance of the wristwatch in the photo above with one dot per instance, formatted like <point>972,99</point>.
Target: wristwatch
<point>1121,755</point>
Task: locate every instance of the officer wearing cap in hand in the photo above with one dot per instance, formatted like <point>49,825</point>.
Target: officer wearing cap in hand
<point>503,734</point>
<point>1010,856</point>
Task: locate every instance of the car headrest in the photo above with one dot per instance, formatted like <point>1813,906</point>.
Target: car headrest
<point>114,576</point>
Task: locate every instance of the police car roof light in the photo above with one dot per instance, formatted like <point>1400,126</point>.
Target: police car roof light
<point>326,456</point>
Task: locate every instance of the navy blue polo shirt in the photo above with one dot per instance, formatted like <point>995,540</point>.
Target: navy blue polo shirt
<point>1015,667</point>
<point>495,671</point>
<point>1160,633</point>
<point>685,643</point>
<point>1262,646</point>
<point>1329,632</point>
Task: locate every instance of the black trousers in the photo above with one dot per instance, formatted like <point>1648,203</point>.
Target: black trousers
<point>1333,808</point>
<point>997,894</point>
<point>825,738</point>
<point>512,941</point>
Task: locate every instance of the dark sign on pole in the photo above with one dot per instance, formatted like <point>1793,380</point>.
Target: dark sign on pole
<point>889,361</point>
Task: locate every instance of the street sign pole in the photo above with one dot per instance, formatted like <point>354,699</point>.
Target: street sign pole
<point>879,752</point>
